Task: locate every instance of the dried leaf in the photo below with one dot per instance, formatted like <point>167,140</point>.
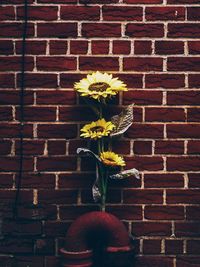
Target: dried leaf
<point>125,174</point>
<point>122,121</point>
<point>88,151</point>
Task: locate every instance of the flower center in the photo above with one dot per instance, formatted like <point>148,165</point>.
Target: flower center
<point>99,87</point>
<point>97,129</point>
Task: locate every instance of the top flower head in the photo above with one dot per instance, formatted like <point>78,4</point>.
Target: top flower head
<point>99,86</point>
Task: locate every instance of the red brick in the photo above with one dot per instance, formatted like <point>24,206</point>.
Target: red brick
<point>5,147</point>
<point>183,64</point>
<point>183,98</point>
<point>164,213</point>
<point>12,130</point>
<point>58,30</point>
<point>151,246</point>
<point>57,196</point>
<point>46,13</point>
<point>140,97</point>
<point>98,1</point>
<point>38,180</point>
<point>142,196</point>
<point>186,196</point>
<point>145,163</point>
<point>192,212</point>
<point>58,1</point>
<point>165,80</point>
<point>143,64</point>
<point>76,180</point>
<point>13,227</point>
<point>78,47</point>
<point>183,30</point>
<point>183,164</point>
<point>122,13</point>
<point>6,114</point>
<point>14,30</point>
<point>187,229</point>
<point>193,114</point>
<point>7,13</point>
<point>194,181</point>
<point>165,180</point>
<point>56,164</point>
<point>38,114</point>
<point>155,261</point>
<point>67,80</point>
<point>145,30</point>
<point>57,47</point>
<point>194,80</point>
<point>164,114</point>
<point>194,47</point>
<point>193,247</point>
<point>121,47</point>
<point>32,47</point>
<point>193,13</point>
<point>56,228</point>
<point>41,80</point>
<point>143,47</point>
<point>72,213</point>
<point>56,97</point>
<point>9,164</point>
<point>126,212</point>
<point>173,247</point>
<point>6,80</point>
<point>131,80</point>
<point>190,2</point>
<point>151,228</point>
<point>76,114</point>
<point>6,47</point>
<point>57,131</point>
<point>113,196</point>
<point>12,97</point>
<point>165,13</point>
<point>169,147</point>
<point>101,30</point>
<point>74,144</point>
<point>8,2</point>
<point>14,63</point>
<point>186,261</point>
<point>169,47</point>
<point>142,147</point>
<point>145,131</point>
<point>16,245</point>
<point>143,1</point>
<point>30,147</point>
<point>56,63</point>
<point>100,47</point>
<point>57,147</point>
<point>99,63</point>
<point>183,130</point>
<point>80,13</point>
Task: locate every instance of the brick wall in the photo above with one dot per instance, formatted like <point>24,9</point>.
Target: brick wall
<point>153,46</point>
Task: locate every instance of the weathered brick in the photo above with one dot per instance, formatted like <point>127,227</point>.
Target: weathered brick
<point>80,13</point>
<point>101,30</point>
<point>145,30</point>
<point>165,80</point>
<point>122,13</point>
<point>165,13</point>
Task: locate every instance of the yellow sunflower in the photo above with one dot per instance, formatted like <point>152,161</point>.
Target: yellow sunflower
<point>112,159</point>
<point>99,86</point>
<point>97,129</point>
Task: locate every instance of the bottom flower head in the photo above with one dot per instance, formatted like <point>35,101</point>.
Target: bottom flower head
<point>112,159</point>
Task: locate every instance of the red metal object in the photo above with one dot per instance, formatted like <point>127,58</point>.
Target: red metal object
<point>95,231</point>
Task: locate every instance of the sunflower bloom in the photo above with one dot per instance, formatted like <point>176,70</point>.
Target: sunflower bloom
<point>112,159</point>
<point>99,86</point>
<point>97,129</point>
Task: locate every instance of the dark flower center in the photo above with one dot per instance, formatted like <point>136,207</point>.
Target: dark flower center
<point>97,129</point>
<point>99,87</point>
